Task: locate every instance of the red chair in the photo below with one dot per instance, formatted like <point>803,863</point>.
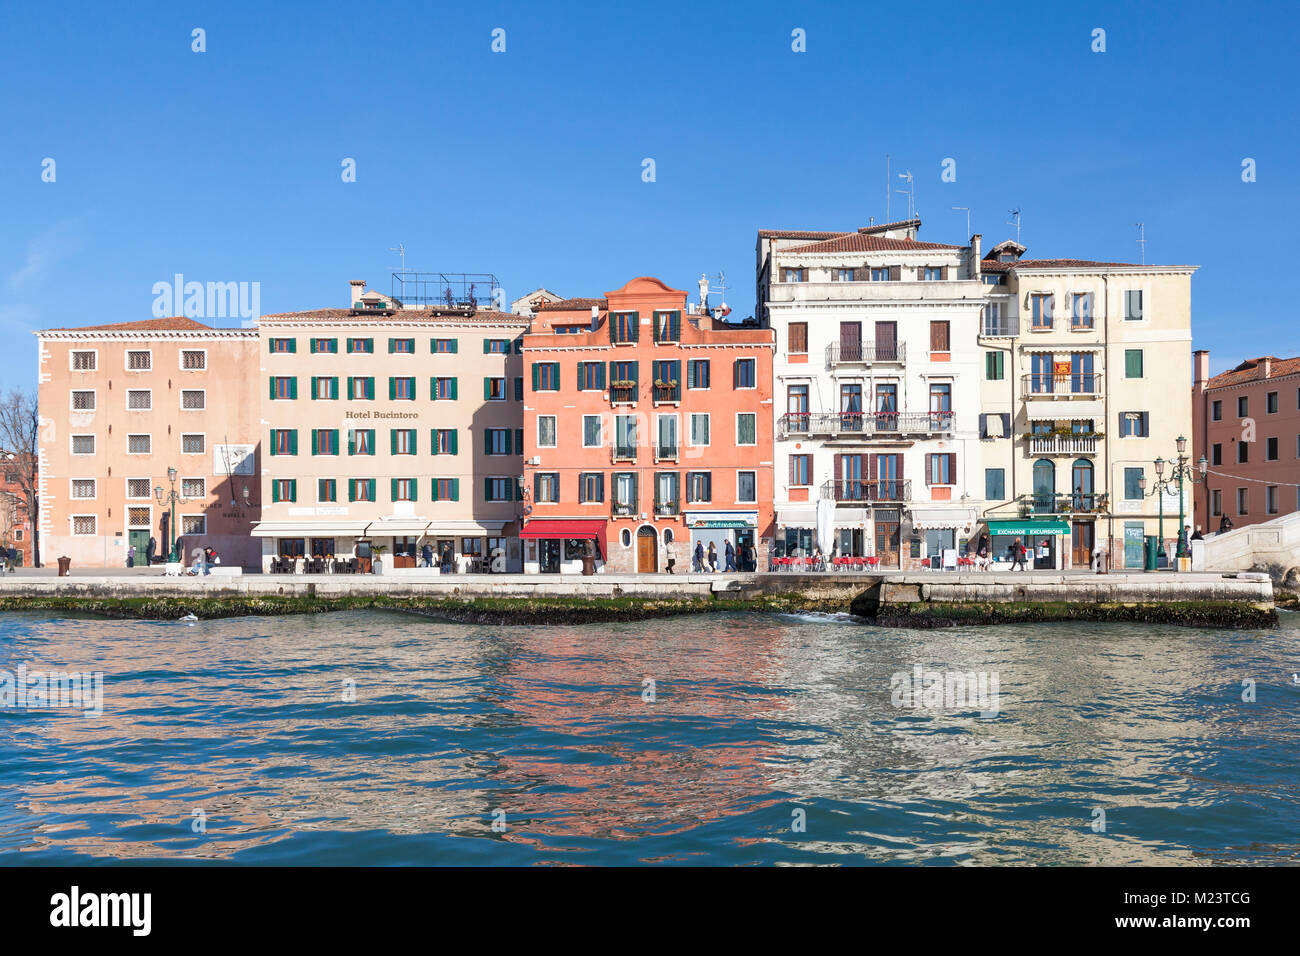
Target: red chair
<point>872,562</point>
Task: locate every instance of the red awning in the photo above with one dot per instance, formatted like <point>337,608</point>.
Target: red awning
<point>567,528</point>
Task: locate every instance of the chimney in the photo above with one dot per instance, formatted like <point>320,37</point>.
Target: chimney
<point>595,317</point>
<point>356,288</point>
<point>976,255</point>
<point>1200,369</point>
<point>1264,368</point>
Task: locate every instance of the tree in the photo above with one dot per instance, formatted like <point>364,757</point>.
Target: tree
<point>20,424</point>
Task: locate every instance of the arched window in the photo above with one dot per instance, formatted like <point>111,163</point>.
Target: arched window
<point>627,538</point>
<point>1081,485</point>
<point>1044,485</point>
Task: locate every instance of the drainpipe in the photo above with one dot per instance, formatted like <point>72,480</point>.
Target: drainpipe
<point>1105,419</point>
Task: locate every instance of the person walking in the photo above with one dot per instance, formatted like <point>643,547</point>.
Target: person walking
<point>730,557</point>
<point>426,554</point>
<point>670,556</point>
<point>713,558</point>
<point>1225,524</point>
<point>1196,535</point>
<point>130,556</point>
<point>698,564</point>
<point>1017,555</point>
<point>445,566</point>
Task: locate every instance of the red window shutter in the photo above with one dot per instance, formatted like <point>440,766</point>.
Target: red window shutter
<point>839,468</point>
<point>929,468</point>
<point>895,273</point>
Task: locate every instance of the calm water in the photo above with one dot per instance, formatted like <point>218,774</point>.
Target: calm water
<point>755,721</point>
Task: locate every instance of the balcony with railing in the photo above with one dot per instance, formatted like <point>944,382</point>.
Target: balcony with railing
<point>624,394</point>
<point>667,392</point>
<point>863,353</point>
<point>622,509</point>
<point>1062,384</point>
<point>668,506</point>
<point>624,452</point>
<point>1062,444</point>
<point>1054,504</point>
<point>866,424</point>
<point>1000,327</point>
<point>866,490</point>
<point>666,451</point>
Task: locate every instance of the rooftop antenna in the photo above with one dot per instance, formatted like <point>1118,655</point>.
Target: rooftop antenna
<point>401,251</point>
<point>966,210</point>
<point>1015,222</point>
<point>1142,240</point>
<point>911,193</point>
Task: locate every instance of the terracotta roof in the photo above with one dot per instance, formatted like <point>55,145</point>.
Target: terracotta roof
<point>797,234</point>
<point>992,265</point>
<point>177,323</point>
<point>573,305</point>
<point>860,242</point>
<point>1247,371</point>
<point>1071,264</point>
<point>886,226</point>
<point>402,315</point>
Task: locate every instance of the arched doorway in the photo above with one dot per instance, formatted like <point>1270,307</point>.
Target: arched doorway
<point>1082,533</point>
<point>1081,482</point>
<point>647,550</point>
<point>1044,485</point>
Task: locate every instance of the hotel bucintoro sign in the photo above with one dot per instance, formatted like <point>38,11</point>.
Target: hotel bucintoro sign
<point>381,415</point>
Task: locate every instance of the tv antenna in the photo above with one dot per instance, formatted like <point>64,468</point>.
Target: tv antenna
<point>910,192</point>
<point>1142,240</point>
<point>1015,222</point>
<point>401,251</point>
<point>966,210</point>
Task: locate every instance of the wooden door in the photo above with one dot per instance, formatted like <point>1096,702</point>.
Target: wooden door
<point>850,341</point>
<point>886,341</point>
<point>1082,542</point>
<point>647,541</point>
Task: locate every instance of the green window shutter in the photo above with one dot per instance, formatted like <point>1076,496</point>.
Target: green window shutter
<point>414,440</point>
<point>352,442</point>
<point>487,441</point>
<point>350,388</point>
<point>272,389</point>
<point>519,388</point>
<point>433,441</point>
<point>275,491</point>
<point>487,489</point>
<point>273,443</point>
<point>315,442</point>
<point>454,436</point>
<point>392,345</point>
<point>392,388</point>
<point>536,375</point>
<point>415,489</point>
<point>392,488</point>
<point>270,346</point>
<point>352,489</point>
<point>370,485</point>
<point>293,442</point>
<point>487,346</point>
<point>455,489</point>
<point>293,387</point>
<point>392,441</point>
<point>487,389</point>
<point>509,449</point>
<point>453,389</point>
<point>519,441</point>
<point>293,345</point>
<point>1133,363</point>
<point>455,346</point>
<point>600,375</point>
<point>433,490</point>
<point>433,387</point>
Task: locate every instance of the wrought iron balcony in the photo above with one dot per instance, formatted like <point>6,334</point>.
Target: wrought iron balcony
<point>1054,504</point>
<point>863,353</point>
<point>620,509</point>
<point>625,452</point>
<point>857,490</point>
<point>670,507</point>
<point>1063,444</point>
<point>1002,327</point>
<point>852,424</point>
<point>1062,385</point>
<point>663,451</point>
<point>622,394</point>
<point>667,393</point>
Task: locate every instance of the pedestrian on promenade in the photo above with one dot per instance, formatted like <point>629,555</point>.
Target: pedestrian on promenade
<point>1196,535</point>
<point>731,557</point>
<point>1018,552</point>
<point>713,558</point>
<point>130,556</point>
<point>445,565</point>
<point>1225,524</point>
<point>426,553</point>
<point>698,564</point>
<point>670,555</point>
<point>152,550</point>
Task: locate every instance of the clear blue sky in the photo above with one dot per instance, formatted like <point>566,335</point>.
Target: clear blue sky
<point>225,165</point>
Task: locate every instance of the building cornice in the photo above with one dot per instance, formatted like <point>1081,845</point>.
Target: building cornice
<point>173,335</point>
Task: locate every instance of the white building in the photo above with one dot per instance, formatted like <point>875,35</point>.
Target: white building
<point>877,389</point>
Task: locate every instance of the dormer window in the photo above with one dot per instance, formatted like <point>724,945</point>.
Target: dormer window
<point>1007,257</point>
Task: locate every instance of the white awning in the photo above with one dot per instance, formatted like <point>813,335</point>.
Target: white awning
<point>1062,410</point>
<point>935,519</point>
<point>325,528</point>
<point>850,517</point>
<point>796,517</point>
<point>1066,347</point>
<point>396,527</point>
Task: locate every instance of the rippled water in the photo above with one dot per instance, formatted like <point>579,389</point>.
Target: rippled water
<point>756,722</point>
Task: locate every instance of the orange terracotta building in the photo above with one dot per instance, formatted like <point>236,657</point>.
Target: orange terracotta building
<point>647,430</point>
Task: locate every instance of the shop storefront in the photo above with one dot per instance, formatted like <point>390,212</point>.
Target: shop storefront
<point>720,528</point>
<point>400,544</point>
<point>558,545</point>
<point>1045,540</point>
<point>941,535</point>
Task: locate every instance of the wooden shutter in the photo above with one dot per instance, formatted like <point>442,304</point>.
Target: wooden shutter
<point>433,490</point>
<point>453,388</point>
<point>519,441</point>
<point>536,375</point>
<point>690,374</point>
<point>929,469</point>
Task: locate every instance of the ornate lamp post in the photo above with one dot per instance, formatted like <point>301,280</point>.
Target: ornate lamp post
<point>170,499</point>
<point>1181,472</point>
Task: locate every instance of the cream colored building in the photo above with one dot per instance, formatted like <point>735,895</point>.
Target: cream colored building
<point>391,425</point>
<point>1085,370</point>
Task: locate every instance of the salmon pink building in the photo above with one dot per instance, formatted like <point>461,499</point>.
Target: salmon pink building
<point>647,426</point>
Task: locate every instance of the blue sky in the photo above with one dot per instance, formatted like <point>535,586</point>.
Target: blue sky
<point>225,165</point>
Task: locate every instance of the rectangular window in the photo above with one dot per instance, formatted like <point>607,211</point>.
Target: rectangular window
<point>1133,484</point>
<point>591,376</point>
<point>139,517</point>
<point>624,491</point>
<point>284,489</point>
<point>401,346</point>
<point>1243,406</point>
<point>932,274</point>
<point>138,444</point>
<point>1270,499</point>
<point>941,469</point>
<point>744,374</point>
<point>519,388</point>
<point>667,493</point>
<point>797,337</point>
<point>284,387</point>
<point>498,489</point>
<point>841,275</point>
<point>1081,310</point>
<point>625,436</point>
<point>138,488</point>
<point>697,373</point>
<point>546,486</point>
<point>1270,403</point>
<point>194,487</point>
<point>591,431</point>
<point>801,469</point>
<point>402,389</point>
<point>327,489</point>
<point>403,489</point>
<point>496,346</point>
<point>881,274</point>
<point>1216,454</point>
<point>139,399</point>
<point>442,346</point>
<point>83,487</point>
<point>995,484</point>
<point>194,524</point>
<point>666,446</point>
<point>326,347</point>
<point>746,428</point>
<point>83,444</point>
<point>1134,425</point>
<point>1216,411</point>
<point>324,387</point>
<point>194,360</point>
<point>994,366</point>
<point>1243,453</point>
<point>625,327</point>
<point>361,388</point>
<point>194,399</point>
<point>446,489</point>
<point>443,389</point>
<point>497,441</point>
<point>444,441</point>
<point>284,441</point>
<point>402,441</point>
<point>1040,309</point>
<point>746,487</point>
<point>668,326</point>
<point>591,487</point>
<point>1132,363</point>
<point>361,441</point>
<point>546,377</point>
<point>699,429</point>
<point>83,401</point>
<point>1270,449</point>
<point>193,444</point>
<point>284,345</point>
<point>83,524</point>
<point>361,489</point>
<point>939,336</point>
<point>545,432</point>
<point>1132,305</point>
<point>325,441</point>
<point>139,361</point>
<point>362,346</point>
<point>1216,502</point>
<point>792,275</point>
<point>494,389</point>
<point>84,361</point>
<point>1241,501</point>
<point>699,487</point>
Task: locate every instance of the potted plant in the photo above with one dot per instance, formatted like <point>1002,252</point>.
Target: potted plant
<point>377,565</point>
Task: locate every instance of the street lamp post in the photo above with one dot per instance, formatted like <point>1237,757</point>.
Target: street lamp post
<point>1182,472</point>
<point>170,499</point>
